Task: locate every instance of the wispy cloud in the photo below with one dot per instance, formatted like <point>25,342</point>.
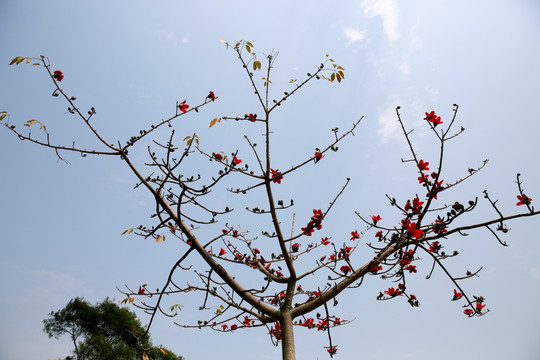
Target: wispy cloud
<point>388,126</point>
<point>388,10</point>
<point>354,35</point>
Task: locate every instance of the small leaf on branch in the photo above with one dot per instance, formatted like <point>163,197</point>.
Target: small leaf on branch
<point>17,60</point>
<point>128,231</point>
<point>160,238</point>
<point>213,122</point>
<point>31,122</point>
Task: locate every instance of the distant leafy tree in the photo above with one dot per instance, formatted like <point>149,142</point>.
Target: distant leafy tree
<point>103,331</point>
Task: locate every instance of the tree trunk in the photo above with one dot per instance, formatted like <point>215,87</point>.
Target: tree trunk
<point>287,337</point>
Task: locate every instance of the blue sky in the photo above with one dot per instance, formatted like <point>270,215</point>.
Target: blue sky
<point>61,223</point>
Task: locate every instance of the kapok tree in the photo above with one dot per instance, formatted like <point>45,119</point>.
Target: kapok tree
<point>252,273</point>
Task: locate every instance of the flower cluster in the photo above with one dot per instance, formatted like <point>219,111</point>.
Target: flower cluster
<point>433,118</point>
<point>395,292</point>
<point>314,223</point>
<point>412,230</point>
<point>439,227</point>
<point>276,332</point>
<point>415,207</point>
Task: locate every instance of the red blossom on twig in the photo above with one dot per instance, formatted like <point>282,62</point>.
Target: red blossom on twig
<point>183,106</point>
<point>523,200</point>
<point>423,165</point>
<point>376,219</point>
<point>276,176</point>
<point>433,118</point>
<point>58,75</point>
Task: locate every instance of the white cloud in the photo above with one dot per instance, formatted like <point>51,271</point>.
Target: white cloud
<point>388,126</point>
<point>388,10</point>
<point>354,35</point>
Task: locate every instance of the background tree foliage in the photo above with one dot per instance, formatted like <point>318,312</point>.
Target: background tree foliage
<point>103,331</point>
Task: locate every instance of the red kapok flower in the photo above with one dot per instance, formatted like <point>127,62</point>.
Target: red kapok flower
<point>234,326</point>
<point>422,179</point>
<point>141,290</point>
<point>309,323</point>
<point>222,252</point>
<point>173,229</point>
<point>224,326</point>
<point>433,118</point>
<point>468,312</point>
<point>379,234</point>
<point>247,321</point>
<point>332,350</point>
<point>183,106</point>
<point>251,117</point>
<point>479,306</point>
<point>393,292</point>
<point>375,269</point>
<point>211,96</point>
<point>345,269</point>
<point>318,156</point>
<point>376,218</point>
<point>325,241</point>
<point>411,268</point>
<point>236,161</point>
<point>423,165</point>
<point>277,331</point>
<point>355,235</point>
<point>295,247</point>
<point>276,176</point>
<point>58,75</point>
<point>279,273</point>
<point>322,324</point>
<point>523,200</point>
<point>457,295</point>
<point>413,231</point>
<point>218,156</point>
<point>435,247</point>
